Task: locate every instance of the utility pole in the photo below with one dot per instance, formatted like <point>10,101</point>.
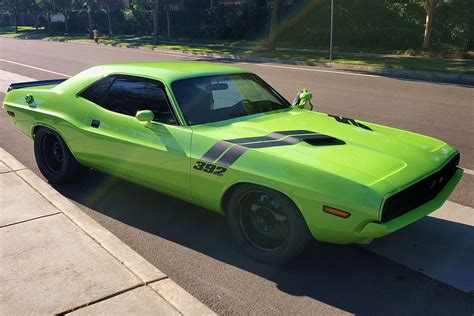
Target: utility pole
<point>332,25</point>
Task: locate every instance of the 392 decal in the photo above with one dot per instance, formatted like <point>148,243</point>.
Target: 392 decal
<point>210,168</point>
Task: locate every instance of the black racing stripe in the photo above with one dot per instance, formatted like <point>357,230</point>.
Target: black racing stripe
<point>231,155</point>
<point>269,137</point>
<point>215,151</point>
<point>292,140</point>
<point>240,145</point>
<point>295,132</point>
<point>313,135</point>
<point>337,117</point>
<point>284,142</point>
<point>363,126</point>
<point>272,136</point>
<point>349,121</point>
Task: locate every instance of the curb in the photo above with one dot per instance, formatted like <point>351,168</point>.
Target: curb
<point>389,72</point>
<point>148,274</point>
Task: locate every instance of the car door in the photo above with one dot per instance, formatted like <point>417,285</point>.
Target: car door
<point>155,155</point>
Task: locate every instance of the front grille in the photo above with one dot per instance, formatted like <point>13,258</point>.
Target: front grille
<point>419,193</point>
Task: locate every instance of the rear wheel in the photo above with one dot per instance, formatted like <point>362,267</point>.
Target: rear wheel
<point>54,159</point>
<point>266,224</point>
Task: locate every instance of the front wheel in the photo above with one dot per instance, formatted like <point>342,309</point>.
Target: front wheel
<point>266,224</point>
<point>54,159</point>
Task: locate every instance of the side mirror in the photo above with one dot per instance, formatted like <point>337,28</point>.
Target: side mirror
<point>145,116</point>
<point>303,100</point>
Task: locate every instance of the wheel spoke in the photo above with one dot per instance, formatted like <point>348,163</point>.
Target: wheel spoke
<point>263,221</point>
<point>52,152</point>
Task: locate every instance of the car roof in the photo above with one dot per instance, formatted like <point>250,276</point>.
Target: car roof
<point>170,70</point>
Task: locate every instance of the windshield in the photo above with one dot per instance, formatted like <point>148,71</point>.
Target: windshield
<point>217,98</point>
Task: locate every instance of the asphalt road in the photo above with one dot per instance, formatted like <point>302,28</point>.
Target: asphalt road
<point>191,244</point>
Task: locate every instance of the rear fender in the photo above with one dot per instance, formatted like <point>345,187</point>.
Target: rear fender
<point>38,125</point>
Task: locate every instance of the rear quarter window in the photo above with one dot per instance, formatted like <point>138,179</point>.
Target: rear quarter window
<point>96,92</point>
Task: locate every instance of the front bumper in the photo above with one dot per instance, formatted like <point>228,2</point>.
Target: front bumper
<point>377,229</point>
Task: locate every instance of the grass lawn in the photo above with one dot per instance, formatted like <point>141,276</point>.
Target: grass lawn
<point>9,31</point>
<point>465,66</point>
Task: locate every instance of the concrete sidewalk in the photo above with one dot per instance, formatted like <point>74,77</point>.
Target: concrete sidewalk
<point>57,260</point>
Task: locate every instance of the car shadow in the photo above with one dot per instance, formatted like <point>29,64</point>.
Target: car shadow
<point>347,277</point>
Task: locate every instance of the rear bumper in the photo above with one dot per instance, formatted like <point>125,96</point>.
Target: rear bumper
<point>377,229</point>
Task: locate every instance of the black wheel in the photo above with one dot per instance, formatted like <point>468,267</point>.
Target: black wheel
<point>266,224</point>
<point>54,159</point>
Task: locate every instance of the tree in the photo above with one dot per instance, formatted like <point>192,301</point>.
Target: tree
<point>36,10</point>
<point>198,4</point>
<point>47,6</point>
<point>15,6</point>
<point>89,6</point>
<point>65,7</point>
<point>155,22</point>
<point>273,25</point>
<point>430,6</point>
<point>168,5</point>
<point>12,6</point>
<point>145,7</point>
<point>110,6</point>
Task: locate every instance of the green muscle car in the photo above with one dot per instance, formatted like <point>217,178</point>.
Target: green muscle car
<point>220,137</point>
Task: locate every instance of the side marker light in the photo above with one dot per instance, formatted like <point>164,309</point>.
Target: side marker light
<point>336,212</point>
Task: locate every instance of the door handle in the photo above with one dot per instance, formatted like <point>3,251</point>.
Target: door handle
<point>95,123</point>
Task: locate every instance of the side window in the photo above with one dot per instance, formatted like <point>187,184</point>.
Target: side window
<point>96,92</point>
<point>127,95</point>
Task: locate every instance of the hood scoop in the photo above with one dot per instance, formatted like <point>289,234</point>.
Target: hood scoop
<point>321,140</point>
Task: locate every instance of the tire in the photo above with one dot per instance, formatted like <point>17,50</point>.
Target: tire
<point>266,224</point>
<point>54,159</point>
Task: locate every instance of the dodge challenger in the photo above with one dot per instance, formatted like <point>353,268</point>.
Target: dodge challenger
<point>222,138</point>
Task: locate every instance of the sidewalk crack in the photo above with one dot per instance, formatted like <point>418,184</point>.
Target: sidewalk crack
<point>100,299</point>
<point>113,295</point>
<point>30,219</point>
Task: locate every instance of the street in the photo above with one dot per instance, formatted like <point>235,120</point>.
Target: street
<point>192,245</point>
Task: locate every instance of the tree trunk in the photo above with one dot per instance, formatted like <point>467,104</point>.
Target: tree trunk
<point>48,14</point>
<point>109,20</point>
<point>66,26</point>
<point>36,20</point>
<point>15,18</point>
<point>155,23</point>
<point>168,28</point>
<point>89,19</point>
<point>273,25</point>
<point>430,7</point>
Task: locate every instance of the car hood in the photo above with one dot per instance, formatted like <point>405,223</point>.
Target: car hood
<point>364,152</point>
